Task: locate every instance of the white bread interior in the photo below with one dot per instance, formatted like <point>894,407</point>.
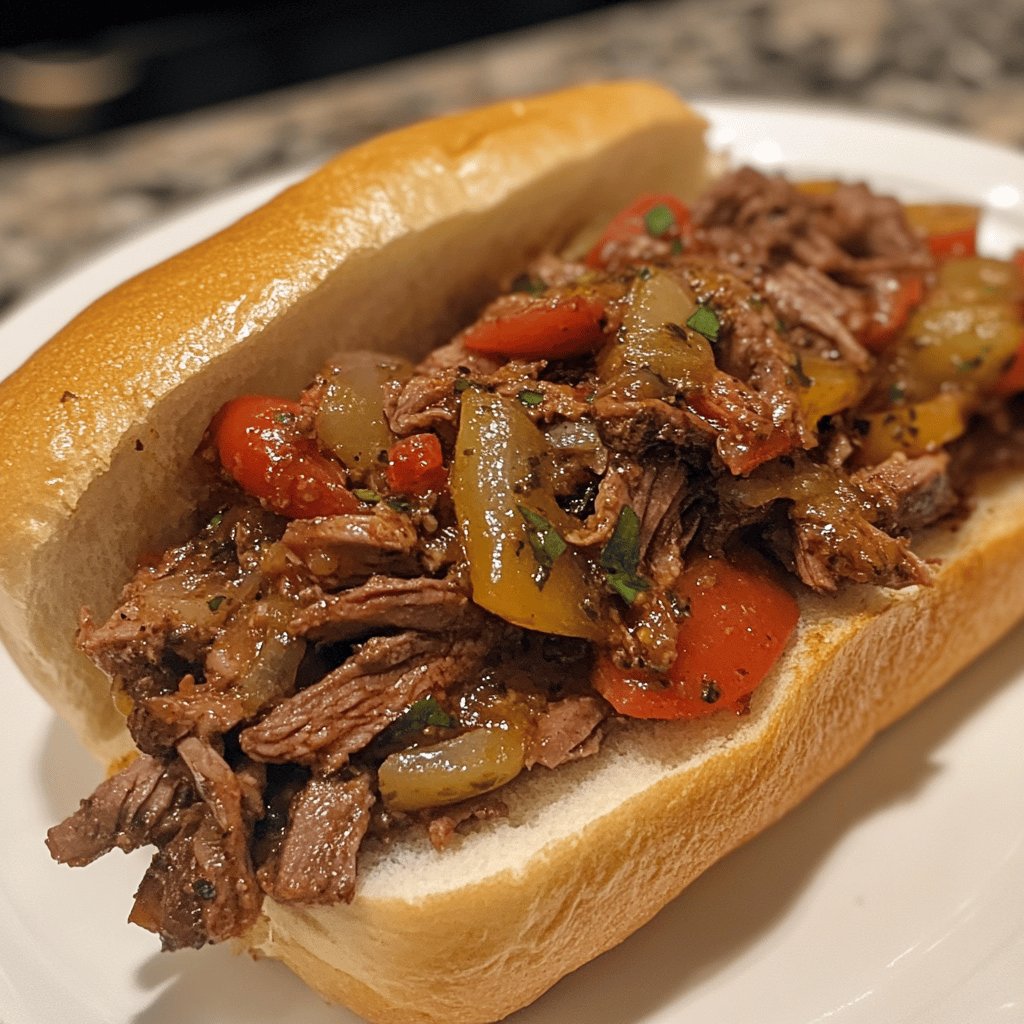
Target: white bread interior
<point>391,246</point>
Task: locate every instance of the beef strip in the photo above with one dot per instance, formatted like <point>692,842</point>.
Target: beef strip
<point>760,221</point>
<point>159,723</point>
<point>170,612</point>
<point>565,731</point>
<point>445,822</point>
<point>634,426</point>
<point>827,552</point>
<point>429,399</point>
<point>349,548</point>
<point>386,603</point>
<point>201,886</point>
<point>751,345</point>
<point>325,723</point>
<point>613,494</point>
<point>908,493</point>
<point>316,860</point>
<point>806,297</point>
<point>141,804</point>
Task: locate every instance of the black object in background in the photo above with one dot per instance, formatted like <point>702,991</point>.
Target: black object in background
<point>70,69</point>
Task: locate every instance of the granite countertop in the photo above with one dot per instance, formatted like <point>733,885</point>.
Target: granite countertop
<point>950,62</point>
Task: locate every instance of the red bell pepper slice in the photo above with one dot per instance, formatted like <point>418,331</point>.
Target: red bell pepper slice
<point>892,313</point>
<point>262,449</point>
<point>654,216</point>
<point>558,326</point>
<point>416,465</point>
<point>737,624</point>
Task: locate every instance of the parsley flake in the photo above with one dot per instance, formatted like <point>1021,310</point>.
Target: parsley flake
<point>659,220</point>
<point>530,398</point>
<point>621,557</point>
<point>705,321</point>
<point>215,602</point>
<point>422,713</point>
<point>366,495</point>
<point>545,542</point>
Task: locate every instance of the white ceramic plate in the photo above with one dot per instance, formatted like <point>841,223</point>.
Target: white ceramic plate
<point>895,894</point>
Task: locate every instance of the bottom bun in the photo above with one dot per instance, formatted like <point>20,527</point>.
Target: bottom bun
<point>590,853</point>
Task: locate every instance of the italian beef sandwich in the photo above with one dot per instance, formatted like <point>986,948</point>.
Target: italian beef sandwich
<point>456,556</point>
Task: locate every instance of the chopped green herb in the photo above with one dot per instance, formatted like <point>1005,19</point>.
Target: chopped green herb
<point>283,416</point>
<point>659,220</point>
<point>216,520</point>
<point>677,246</point>
<point>621,557</point>
<point>545,541</point>
<point>461,384</point>
<point>399,504</point>
<point>530,398</point>
<point>215,602</point>
<point>426,711</point>
<point>367,495</point>
<point>531,285</point>
<point>704,321</point>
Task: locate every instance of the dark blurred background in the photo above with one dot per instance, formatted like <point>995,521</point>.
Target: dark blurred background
<point>71,69</point>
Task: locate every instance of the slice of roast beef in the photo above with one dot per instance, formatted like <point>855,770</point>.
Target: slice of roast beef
<point>805,296</point>
<point>201,886</point>
<point>635,426</point>
<point>141,804</point>
<point>614,492</point>
<point>171,611</point>
<point>197,889</point>
<point>908,493</point>
<point>828,551</point>
<point>445,822</point>
<point>386,604</point>
<point>315,862</point>
<point>328,721</point>
<point>566,731</point>
<point>347,549</point>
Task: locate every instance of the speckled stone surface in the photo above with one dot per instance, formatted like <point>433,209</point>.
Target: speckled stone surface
<point>952,62</point>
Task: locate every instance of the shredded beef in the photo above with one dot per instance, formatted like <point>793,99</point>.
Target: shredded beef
<point>325,723</point>
<point>634,426</point>
<point>141,804</point>
<point>268,667</point>
<point>348,548</point>
<point>386,603</point>
<point>806,297</point>
<point>445,823</point>
<point>201,886</point>
<point>316,860</point>
<point>827,553</point>
<point>566,731</point>
<point>909,493</point>
<point>762,221</point>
